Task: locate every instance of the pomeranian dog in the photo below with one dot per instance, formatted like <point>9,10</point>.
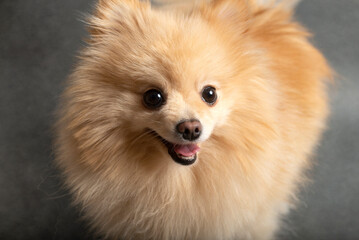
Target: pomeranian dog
<point>191,122</point>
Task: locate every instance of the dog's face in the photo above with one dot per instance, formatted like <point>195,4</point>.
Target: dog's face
<point>170,77</point>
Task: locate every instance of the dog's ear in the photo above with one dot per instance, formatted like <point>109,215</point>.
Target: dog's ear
<point>239,16</point>
<point>115,13</point>
<point>231,13</point>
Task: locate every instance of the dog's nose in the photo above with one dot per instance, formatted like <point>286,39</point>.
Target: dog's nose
<point>190,129</point>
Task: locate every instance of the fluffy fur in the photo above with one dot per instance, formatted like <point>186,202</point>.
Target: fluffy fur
<point>257,138</point>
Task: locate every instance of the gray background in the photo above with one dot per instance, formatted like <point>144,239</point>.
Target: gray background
<point>38,44</point>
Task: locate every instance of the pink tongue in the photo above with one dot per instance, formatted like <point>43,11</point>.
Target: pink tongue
<point>187,150</point>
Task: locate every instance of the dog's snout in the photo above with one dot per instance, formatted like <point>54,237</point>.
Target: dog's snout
<point>189,129</point>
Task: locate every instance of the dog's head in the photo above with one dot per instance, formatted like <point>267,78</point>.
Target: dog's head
<point>165,79</point>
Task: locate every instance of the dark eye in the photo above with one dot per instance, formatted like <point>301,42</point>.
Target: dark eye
<point>153,99</point>
<point>209,95</point>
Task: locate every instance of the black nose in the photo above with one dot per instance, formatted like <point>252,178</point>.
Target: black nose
<point>189,129</point>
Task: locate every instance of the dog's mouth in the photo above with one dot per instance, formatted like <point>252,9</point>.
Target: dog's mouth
<point>185,154</point>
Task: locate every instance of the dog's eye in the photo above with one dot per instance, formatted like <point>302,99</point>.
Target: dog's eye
<point>153,99</point>
<point>209,95</point>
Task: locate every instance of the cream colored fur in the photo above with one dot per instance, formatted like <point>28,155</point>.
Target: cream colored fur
<point>259,136</point>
